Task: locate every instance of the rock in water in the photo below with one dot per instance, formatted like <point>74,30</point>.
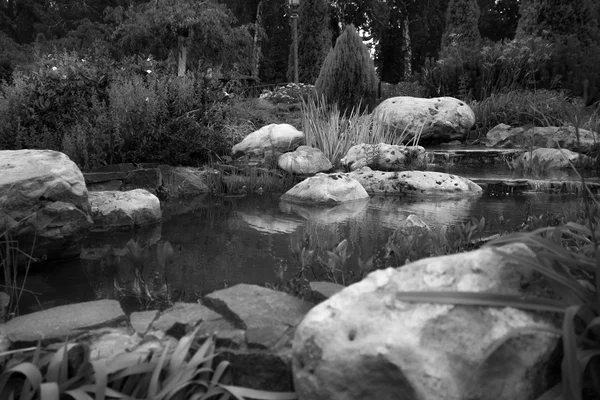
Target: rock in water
<point>442,119</point>
<point>43,201</point>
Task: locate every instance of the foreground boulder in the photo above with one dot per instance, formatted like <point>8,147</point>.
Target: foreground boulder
<point>443,119</point>
<point>544,159</point>
<point>326,189</point>
<point>416,183</point>
<point>43,199</point>
<point>124,210</point>
<point>554,137</point>
<point>366,343</point>
<point>385,157</point>
<point>270,139</point>
<point>305,160</point>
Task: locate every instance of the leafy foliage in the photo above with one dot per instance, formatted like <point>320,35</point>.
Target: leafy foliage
<point>188,372</point>
<point>347,76</point>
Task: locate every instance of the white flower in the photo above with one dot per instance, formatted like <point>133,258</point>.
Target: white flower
<point>54,68</point>
<point>147,99</point>
<point>148,71</point>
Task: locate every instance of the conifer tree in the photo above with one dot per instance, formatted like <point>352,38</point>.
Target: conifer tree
<point>314,40</point>
<point>462,19</point>
<point>348,76</point>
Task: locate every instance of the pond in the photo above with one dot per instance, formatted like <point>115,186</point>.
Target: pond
<point>220,241</point>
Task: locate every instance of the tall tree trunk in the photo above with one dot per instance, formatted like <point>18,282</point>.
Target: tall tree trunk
<point>406,50</point>
<point>256,47</point>
<point>182,50</point>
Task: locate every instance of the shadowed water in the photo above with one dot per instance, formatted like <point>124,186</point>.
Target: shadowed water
<point>219,242</point>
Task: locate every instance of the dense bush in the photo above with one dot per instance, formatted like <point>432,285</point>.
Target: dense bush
<point>522,107</point>
<point>348,75</point>
<point>289,94</point>
<point>75,105</point>
<point>477,72</point>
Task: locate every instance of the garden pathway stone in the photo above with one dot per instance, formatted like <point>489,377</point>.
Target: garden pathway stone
<point>61,322</point>
<point>268,316</point>
<point>190,314</point>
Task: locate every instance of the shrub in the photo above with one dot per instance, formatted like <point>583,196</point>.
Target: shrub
<point>348,75</point>
<point>522,107</point>
<point>40,106</point>
<point>404,88</point>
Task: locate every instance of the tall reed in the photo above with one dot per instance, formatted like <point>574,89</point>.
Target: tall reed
<point>334,133</point>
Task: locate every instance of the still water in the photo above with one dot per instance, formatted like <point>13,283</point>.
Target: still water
<point>219,242</point>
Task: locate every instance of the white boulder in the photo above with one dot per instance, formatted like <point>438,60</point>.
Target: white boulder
<point>124,210</point>
<point>442,119</point>
<point>305,160</point>
<point>270,139</point>
<point>43,200</point>
<point>326,189</point>
<point>385,157</point>
<point>365,342</point>
<point>414,183</point>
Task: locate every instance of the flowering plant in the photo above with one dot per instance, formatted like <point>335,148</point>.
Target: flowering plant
<point>288,94</point>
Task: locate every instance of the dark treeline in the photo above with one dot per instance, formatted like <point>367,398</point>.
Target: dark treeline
<point>253,37</point>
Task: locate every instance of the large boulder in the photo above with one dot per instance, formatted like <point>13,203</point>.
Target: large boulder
<point>270,139</point>
<point>365,342</point>
<point>553,137</point>
<point>326,189</point>
<point>385,157</point>
<point>124,210</point>
<point>305,160</point>
<point>545,159</point>
<point>443,119</point>
<point>415,183</point>
<point>43,200</point>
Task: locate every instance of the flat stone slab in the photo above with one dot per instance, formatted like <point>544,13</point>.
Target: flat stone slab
<point>61,322</point>
<point>98,177</point>
<point>189,314</point>
<point>269,317</point>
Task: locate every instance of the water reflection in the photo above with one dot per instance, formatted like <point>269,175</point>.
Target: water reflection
<point>220,242</point>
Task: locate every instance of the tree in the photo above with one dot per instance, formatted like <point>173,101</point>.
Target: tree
<point>187,25</point>
<point>462,19</point>
<point>348,76</point>
<point>275,48</point>
<point>499,19</point>
<point>314,40</point>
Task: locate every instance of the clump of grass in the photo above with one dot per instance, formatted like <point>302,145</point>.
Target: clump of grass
<point>187,372</point>
<point>325,127</point>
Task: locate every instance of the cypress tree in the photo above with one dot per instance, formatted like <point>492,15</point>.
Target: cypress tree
<point>314,40</point>
<point>348,76</point>
<point>462,23</point>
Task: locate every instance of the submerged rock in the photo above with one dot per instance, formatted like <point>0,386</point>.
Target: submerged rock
<point>273,138</point>
<point>124,210</point>
<point>442,119</point>
<point>416,183</point>
<point>365,342</point>
<point>326,189</point>
<point>43,200</point>
<point>385,157</point>
<point>305,160</point>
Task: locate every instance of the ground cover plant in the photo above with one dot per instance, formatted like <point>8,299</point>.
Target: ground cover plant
<point>189,371</point>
